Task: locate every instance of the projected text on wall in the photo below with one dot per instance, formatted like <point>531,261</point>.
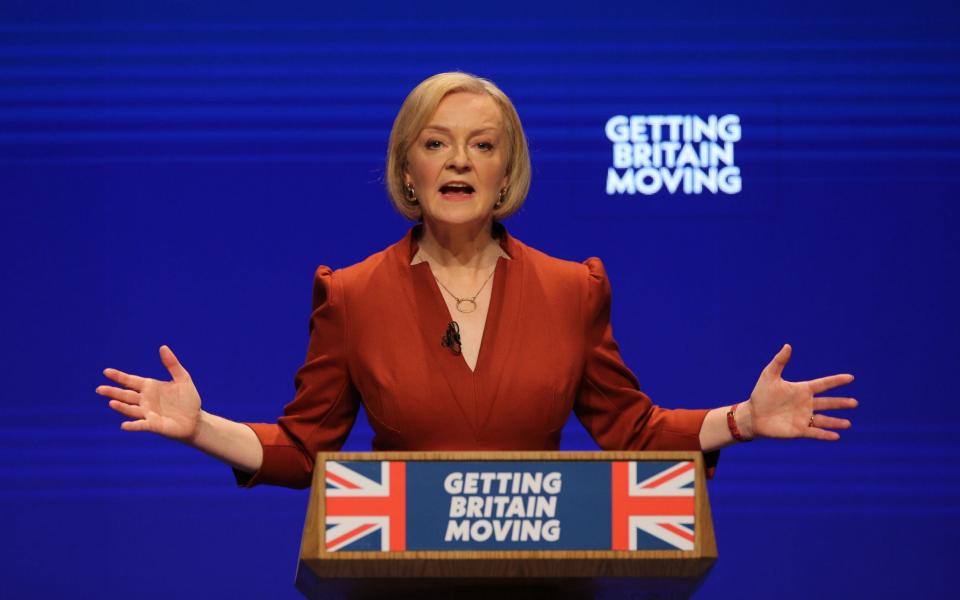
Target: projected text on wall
<point>673,153</point>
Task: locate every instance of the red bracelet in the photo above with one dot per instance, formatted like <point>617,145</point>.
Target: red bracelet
<point>732,424</point>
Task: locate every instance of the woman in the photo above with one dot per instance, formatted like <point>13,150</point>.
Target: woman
<point>460,336</point>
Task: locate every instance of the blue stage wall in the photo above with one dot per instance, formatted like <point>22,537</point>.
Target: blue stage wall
<point>174,172</point>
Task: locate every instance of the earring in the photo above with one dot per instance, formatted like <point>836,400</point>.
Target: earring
<point>500,198</point>
<point>411,195</point>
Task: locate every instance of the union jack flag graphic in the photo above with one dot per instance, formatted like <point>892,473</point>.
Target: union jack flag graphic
<point>652,505</point>
<point>360,507</point>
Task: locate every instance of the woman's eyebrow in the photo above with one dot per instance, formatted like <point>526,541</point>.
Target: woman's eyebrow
<point>443,129</point>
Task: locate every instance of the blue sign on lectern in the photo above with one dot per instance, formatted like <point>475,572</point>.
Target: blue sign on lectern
<point>394,506</point>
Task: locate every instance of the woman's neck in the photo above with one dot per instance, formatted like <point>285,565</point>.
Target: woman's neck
<point>461,247</point>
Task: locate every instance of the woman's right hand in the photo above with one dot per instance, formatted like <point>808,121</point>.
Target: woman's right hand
<point>170,408</point>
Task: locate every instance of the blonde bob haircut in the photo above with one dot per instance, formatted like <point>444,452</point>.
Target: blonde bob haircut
<point>417,110</point>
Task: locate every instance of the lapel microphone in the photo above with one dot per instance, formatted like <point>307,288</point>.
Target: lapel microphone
<point>451,339</point>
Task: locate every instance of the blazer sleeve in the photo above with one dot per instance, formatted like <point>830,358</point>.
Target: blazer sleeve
<point>325,404</point>
<point>609,402</point>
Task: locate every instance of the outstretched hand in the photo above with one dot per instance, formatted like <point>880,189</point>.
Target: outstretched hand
<point>170,408</point>
<point>788,409</point>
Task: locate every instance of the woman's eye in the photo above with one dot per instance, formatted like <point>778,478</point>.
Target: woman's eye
<point>485,146</point>
<point>433,144</point>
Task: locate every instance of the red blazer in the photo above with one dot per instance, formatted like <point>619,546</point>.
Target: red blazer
<point>547,349</point>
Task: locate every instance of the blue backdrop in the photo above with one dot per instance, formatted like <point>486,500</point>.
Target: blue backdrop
<point>174,172</point>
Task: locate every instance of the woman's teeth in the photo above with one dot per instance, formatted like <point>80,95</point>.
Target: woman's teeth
<point>456,189</point>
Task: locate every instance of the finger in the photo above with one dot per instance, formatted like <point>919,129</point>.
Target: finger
<point>821,434</point>
<point>140,425</point>
<point>127,410</point>
<point>825,422</point>
<point>833,403</point>
<point>127,396</point>
<point>775,368</point>
<point>823,384</point>
<point>170,361</point>
<point>132,382</point>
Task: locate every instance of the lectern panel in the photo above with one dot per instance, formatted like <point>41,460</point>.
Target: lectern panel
<point>507,518</point>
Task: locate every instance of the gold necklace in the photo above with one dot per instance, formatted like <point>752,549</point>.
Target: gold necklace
<point>466,304</point>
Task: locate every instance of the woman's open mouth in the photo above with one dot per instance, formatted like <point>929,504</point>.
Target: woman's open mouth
<point>456,191</point>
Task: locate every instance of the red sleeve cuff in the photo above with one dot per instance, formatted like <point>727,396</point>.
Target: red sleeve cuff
<point>284,463</point>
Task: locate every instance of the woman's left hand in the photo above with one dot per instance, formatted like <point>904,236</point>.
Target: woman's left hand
<point>788,409</point>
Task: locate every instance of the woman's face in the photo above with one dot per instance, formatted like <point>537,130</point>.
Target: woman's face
<point>457,165</point>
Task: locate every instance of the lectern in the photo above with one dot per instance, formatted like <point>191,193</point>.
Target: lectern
<point>507,525</point>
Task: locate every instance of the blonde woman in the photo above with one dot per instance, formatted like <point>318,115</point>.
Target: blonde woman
<point>461,337</point>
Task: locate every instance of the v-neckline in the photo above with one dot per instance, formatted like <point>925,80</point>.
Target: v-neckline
<point>475,392</point>
<point>493,309</point>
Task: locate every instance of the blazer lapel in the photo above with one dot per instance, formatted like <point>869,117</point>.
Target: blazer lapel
<point>432,319</point>
<point>503,327</point>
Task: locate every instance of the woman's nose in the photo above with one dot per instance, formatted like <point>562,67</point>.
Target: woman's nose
<point>459,159</point>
